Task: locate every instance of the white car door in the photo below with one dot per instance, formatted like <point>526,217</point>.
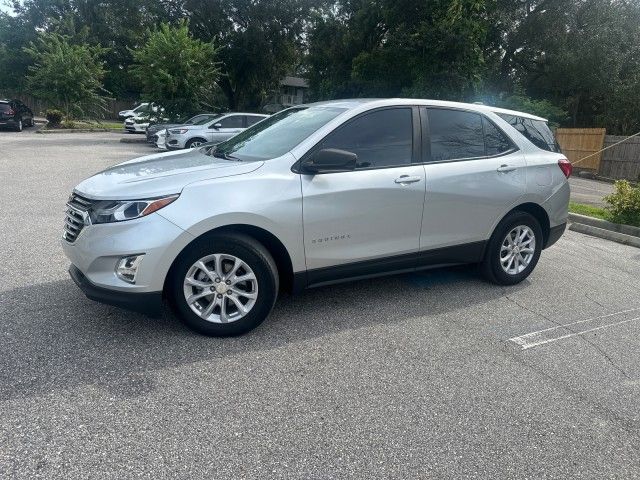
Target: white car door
<point>368,219</point>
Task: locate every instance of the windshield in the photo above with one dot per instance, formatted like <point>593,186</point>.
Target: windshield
<point>276,135</point>
<point>141,108</point>
<point>201,119</point>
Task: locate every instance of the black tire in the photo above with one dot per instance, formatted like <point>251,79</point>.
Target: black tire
<point>254,254</point>
<point>190,143</point>
<point>19,126</point>
<point>491,267</point>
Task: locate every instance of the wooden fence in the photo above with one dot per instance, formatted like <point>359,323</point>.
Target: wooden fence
<point>621,161</point>
<point>578,143</point>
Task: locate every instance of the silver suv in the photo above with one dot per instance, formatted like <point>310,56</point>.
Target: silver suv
<point>318,194</point>
<point>217,130</point>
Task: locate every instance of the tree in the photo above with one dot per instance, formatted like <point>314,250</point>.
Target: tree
<point>260,42</point>
<point>398,47</point>
<point>67,76</point>
<point>176,71</point>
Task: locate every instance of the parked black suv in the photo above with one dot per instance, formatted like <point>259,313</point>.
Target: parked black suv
<point>15,114</point>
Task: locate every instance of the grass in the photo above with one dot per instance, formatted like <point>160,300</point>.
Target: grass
<point>589,211</point>
<point>80,124</point>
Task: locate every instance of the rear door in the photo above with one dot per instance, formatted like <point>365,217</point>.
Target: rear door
<point>474,175</point>
<point>367,220</point>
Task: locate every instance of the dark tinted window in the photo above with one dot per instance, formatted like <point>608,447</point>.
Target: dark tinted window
<point>251,119</point>
<point>495,140</point>
<point>455,134</point>
<point>536,131</point>
<point>380,139</point>
<point>5,107</point>
<point>234,121</point>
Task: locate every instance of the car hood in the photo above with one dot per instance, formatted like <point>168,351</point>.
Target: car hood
<point>160,174</point>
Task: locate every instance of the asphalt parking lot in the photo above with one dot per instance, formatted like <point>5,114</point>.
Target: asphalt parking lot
<point>431,375</point>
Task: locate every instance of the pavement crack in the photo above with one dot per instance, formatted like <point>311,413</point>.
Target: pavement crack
<point>530,310</point>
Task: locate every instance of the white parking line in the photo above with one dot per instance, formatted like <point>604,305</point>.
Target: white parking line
<point>553,334</point>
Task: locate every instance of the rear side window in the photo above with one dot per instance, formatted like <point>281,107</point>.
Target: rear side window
<point>455,134</point>
<point>383,138</point>
<point>536,131</point>
<point>495,140</point>
<point>251,119</point>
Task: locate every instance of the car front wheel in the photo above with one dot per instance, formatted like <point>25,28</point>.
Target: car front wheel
<point>513,250</point>
<point>224,285</point>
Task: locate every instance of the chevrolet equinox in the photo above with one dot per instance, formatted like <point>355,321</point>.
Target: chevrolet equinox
<point>318,194</point>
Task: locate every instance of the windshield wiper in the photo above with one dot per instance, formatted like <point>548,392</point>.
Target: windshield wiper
<point>224,156</point>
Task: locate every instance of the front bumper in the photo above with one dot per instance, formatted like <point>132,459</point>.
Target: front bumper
<point>149,303</point>
<point>98,249</point>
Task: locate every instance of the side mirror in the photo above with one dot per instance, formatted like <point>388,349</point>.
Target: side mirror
<point>330,160</point>
<point>217,126</point>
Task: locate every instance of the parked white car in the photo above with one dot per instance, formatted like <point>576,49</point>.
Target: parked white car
<point>140,109</point>
<point>216,131</point>
<point>139,122</point>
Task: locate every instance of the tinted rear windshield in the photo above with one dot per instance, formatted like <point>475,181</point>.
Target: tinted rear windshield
<point>5,107</point>
<point>536,131</point>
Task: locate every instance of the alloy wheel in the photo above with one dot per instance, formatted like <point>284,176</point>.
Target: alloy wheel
<point>517,249</point>
<point>220,288</point>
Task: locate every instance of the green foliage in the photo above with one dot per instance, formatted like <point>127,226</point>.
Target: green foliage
<point>54,118</point>
<point>541,108</point>
<point>589,210</point>
<point>624,203</point>
<point>261,41</point>
<point>69,124</point>
<point>67,76</point>
<point>175,70</point>
<point>390,48</point>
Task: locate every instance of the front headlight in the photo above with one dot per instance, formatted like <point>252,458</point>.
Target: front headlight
<point>179,131</point>
<point>107,211</point>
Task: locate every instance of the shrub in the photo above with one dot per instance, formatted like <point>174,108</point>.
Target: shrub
<point>624,203</point>
<point>54,117</point>
<point>68,124</point>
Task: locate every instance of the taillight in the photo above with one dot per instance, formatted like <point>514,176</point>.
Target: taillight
<point>11,111</point>
<point>565,166</point>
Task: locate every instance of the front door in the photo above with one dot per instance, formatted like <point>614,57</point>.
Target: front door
<point>225,128</point>
<point>359,222</point>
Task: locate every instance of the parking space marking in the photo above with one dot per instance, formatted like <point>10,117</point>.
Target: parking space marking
<point>553,334</point>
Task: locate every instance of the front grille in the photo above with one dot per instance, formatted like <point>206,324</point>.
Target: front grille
<point>76,217</point>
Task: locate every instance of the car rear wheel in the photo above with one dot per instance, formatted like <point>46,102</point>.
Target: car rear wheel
<point>195,142</point>
<point>513,250</point>
<point>224,285</point>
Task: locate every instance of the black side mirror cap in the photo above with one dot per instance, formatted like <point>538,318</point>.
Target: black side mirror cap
<point>330,160</point>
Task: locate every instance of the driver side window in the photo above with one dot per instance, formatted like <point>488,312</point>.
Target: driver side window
<point>383,138</point>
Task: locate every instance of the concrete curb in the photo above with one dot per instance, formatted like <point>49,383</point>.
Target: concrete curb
<point>624,234</point>
<point>596,222</point>
<point>133,140</point>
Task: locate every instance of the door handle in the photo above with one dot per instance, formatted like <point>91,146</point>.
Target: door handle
<point>506,168</point>
<point>406,179</point>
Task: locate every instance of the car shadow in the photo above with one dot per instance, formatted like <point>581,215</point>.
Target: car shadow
<point>53,338</point>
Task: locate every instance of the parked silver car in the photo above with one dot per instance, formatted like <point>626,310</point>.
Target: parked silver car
<point>217,130</point>
<point>313,195</point>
